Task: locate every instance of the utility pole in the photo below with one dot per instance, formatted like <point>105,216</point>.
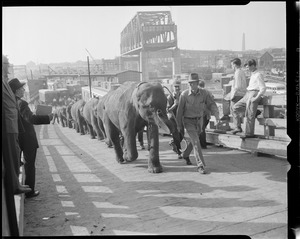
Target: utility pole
<point>90,83</point>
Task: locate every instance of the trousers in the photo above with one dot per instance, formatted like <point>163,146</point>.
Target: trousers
<point>29,166</point>
<point>228,105</point>
<point>193,129</point>
<point>244,105</point>
<point>203,133</point>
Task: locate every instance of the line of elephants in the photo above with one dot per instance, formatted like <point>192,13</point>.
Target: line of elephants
<point>120,115</point>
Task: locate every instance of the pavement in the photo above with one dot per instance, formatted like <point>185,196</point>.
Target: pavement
<point>241,195</point>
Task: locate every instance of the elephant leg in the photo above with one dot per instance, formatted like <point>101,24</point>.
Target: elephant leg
<point>97,129</point>
<point>65,122</point>
<point>103,131</point>
<point>129,135</point>
<point>91,130</point>
<point>81,125</point>
<point>76,127</point>
<point>113,136</point>
<point>154,165</point>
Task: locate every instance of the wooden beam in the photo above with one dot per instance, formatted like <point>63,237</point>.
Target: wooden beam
<point>278,123</point>
<point>267,146</point>
<point>266,100</point>
<point>273,100</point>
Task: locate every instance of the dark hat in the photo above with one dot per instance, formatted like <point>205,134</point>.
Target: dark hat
<point>15,84</point>
<point>193,78</point>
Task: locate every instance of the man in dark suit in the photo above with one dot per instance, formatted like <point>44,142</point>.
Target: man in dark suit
<point>28,140</point>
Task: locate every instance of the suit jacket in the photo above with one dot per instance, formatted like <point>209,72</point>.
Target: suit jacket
<point>28,139</point>
<point>9,104</point>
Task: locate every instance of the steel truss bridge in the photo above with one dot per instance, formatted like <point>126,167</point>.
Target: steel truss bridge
<point>148,32</point>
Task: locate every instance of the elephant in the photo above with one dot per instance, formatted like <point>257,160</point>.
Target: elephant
<point>69,116</point>
<point>78,120</point>
<point>62,115</point>
<point>127,110</point>
<point>99,115</point>
<point>90,115</point>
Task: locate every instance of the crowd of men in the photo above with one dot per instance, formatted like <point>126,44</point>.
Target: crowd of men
<point>193,108</point>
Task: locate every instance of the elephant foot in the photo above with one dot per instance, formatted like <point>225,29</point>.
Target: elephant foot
<point>157,169</point>
<point>121,160</point>
<point>130,159</point>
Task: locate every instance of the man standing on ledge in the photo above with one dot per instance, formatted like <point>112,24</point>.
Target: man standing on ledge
<point>238,88</point>
<point>191,107</point>
<point>28,140</point>
<point>249,102</point>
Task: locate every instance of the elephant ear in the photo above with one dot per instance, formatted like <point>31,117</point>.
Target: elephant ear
<point>136,96</point>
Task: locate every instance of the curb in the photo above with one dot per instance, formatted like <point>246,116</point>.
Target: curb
<point>19,204</point>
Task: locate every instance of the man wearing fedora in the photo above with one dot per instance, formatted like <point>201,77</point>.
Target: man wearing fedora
<point>190,112</point>
<point>28,140</point>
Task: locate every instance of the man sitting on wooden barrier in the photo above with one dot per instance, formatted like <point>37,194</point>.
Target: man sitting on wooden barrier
<point>249,102</point>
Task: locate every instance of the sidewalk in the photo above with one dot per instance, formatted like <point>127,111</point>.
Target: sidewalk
<point>88,193</point>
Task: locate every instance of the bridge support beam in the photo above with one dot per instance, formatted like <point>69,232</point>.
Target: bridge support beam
<point>176,64</point>
<point>144,56</point>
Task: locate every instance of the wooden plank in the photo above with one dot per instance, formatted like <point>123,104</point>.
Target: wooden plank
<point>278,123</point>
<point>268,111</point>
<point>273,100</point>
<point>267,146</point>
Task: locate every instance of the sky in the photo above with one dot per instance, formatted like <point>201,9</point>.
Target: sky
<point>61,34</point>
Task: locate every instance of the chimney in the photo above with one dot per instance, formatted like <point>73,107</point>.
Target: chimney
<point>243,43</point>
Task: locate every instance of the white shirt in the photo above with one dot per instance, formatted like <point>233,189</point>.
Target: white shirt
<point>257,82</point>
<point>239,83</point>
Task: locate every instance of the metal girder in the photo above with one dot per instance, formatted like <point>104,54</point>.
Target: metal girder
<point>150,31</point>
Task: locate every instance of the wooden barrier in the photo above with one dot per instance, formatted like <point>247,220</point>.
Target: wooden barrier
<point>267,143</point>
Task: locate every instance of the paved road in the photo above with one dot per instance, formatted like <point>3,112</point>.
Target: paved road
<point>84,191</point>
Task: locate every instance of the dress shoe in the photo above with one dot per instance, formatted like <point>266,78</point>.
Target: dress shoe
<point>236,130</point>
<point>32,194</point>
<point>179,156</point>
<point>174,147</point>
<point>258,112</point>
<point>188,161</point>
<point>201,170</point>
<point>247,136</point>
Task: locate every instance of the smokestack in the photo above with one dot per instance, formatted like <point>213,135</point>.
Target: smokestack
<point>243,43</point>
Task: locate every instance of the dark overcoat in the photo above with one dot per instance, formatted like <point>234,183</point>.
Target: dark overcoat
<point>28,139</point>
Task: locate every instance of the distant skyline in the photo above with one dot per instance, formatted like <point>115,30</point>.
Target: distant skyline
<point>61,34</point>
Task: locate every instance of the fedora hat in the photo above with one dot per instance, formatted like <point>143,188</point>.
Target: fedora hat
<point>15,84</point>
<point>193,78</point>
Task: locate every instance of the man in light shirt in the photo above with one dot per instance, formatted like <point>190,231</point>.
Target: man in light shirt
<point>238,88</point>
<point>249,102</point>
<point>190,112</point>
